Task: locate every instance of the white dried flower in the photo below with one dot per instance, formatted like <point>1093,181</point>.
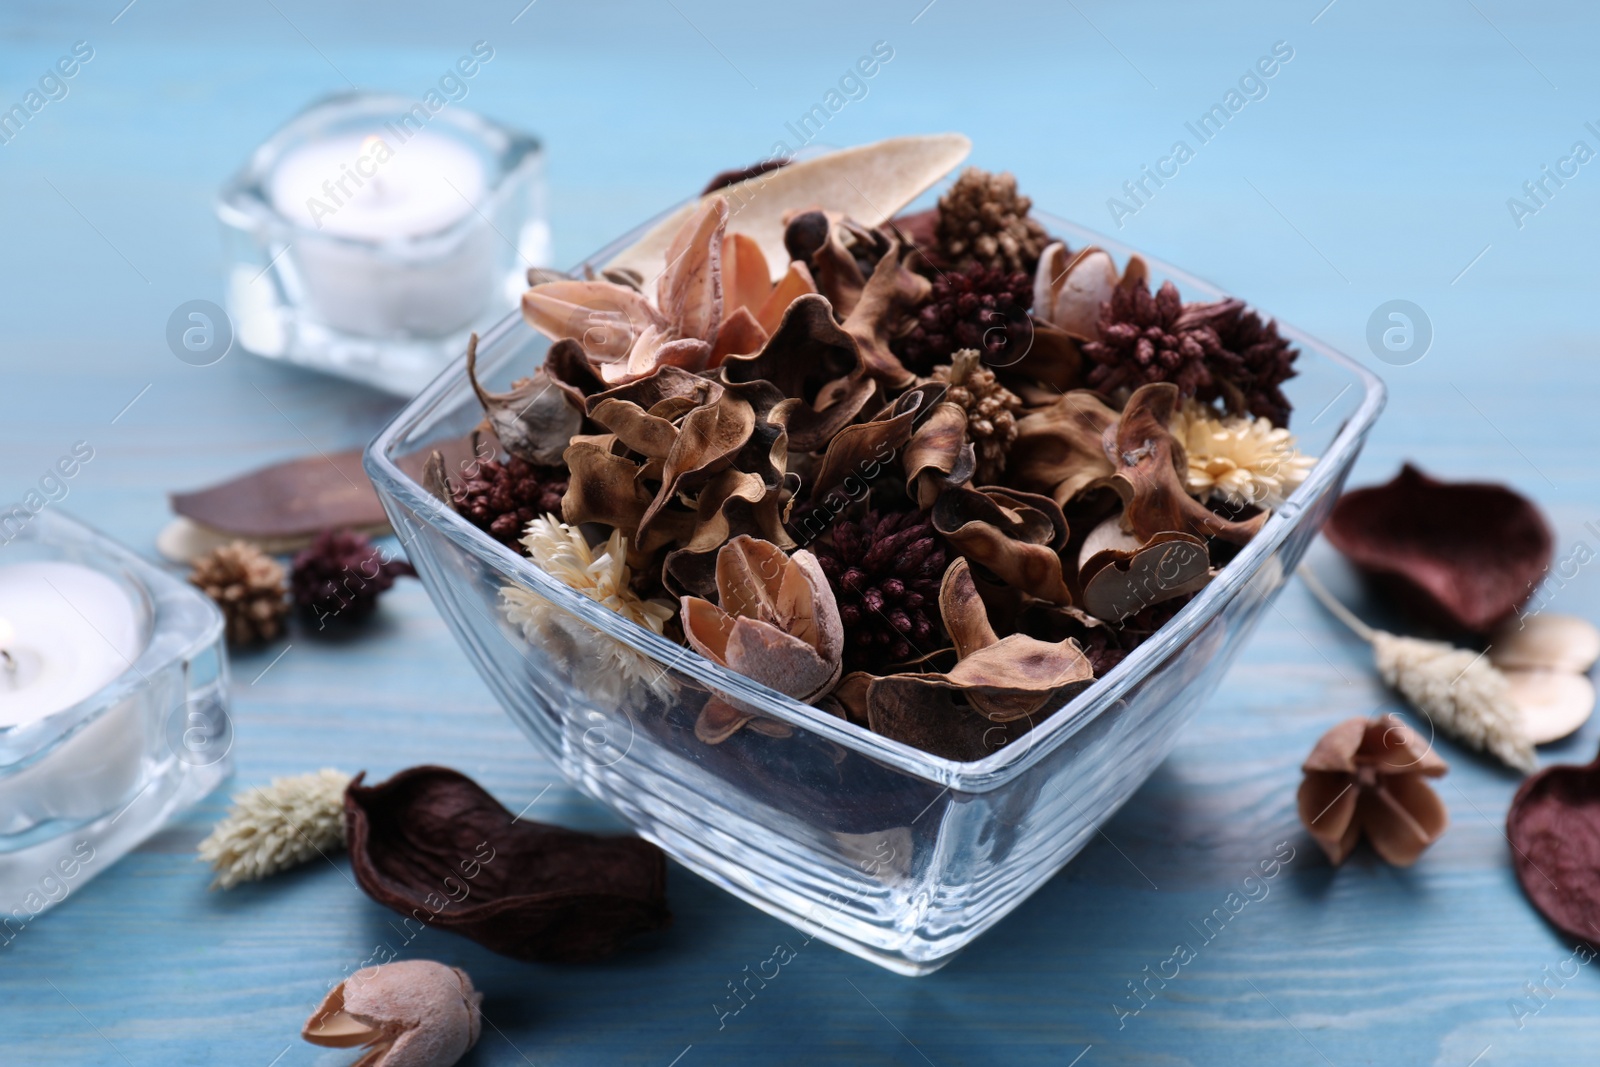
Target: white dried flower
<point>272,828</point>
<point>600,573</point>
<point>1240,459</point>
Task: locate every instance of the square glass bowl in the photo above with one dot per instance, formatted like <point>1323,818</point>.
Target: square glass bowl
<point>879,848</point>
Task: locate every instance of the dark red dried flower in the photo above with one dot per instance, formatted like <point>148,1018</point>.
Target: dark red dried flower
<point>341,575</point>
<point>980,308</point>
<point>502,498</point>
<point>1143,339</point>
<point>885,572</point>
<point>1250,361</point>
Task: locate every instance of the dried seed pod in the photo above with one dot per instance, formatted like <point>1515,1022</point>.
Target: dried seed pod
<point>411,1013</point>
<point>1365,778</point>
<point>1546,642</point>
<point>1551,704</point>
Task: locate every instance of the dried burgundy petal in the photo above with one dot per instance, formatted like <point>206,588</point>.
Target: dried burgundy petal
<point>432,845</point>
<point>1554,830</point>
<point>1465,555</point>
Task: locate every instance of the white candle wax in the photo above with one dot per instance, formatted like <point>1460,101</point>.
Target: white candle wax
<point>68,630</point>
<point>379,193</point>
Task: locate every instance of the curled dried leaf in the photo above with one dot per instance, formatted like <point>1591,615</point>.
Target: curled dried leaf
<point>431,842</point>
<point>1151,468</point>
<point>1060,450</point>
<point>938,455</point>
<point>874,442</point>
<point>1015,536</point>
<point>888,297</point>
<point>1118,583</point>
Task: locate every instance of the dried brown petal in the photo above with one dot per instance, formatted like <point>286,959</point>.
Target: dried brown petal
<point>1465,555</point>
<point>1118,583</point>
<point>1554,830</point>
<point>734,502</point>
<point>1061,451</point>
<point>872,443</point>
<point>433,846</point>
<point>938,455</point>
<point>604,486</point>
<point>889,295</point>
<point>1151,468</point>
<point>1003,679</point>
<point>1015,536</point>
<point>934,719</point>
<point>807,350</point>
<point>1365,777</point>
<point>534,421</point>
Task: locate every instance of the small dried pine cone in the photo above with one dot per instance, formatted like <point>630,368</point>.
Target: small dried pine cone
<point>983,220</point>
<point>248,585</point>
<point>991,410</point>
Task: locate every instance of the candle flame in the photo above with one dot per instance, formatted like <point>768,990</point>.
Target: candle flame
<point>8,633</point>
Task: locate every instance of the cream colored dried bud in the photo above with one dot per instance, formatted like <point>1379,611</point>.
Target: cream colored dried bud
<point>412,1013</point>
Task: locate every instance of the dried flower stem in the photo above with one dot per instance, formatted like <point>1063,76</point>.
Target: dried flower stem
<point>1458,690</point>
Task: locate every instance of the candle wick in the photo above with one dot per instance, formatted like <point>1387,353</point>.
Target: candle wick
<point>10,662</point>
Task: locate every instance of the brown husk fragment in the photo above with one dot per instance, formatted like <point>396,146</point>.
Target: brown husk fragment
<point>1118,583</point>
<point>1015,536</point>
<point>1151,468</point>
<point>1365,778</point>
<point>430,842</point>
<point>1462,555</point>
<point>1554,829</point>
<point>534,420</point>
<point>995,680</point>
<point>1061,450</point>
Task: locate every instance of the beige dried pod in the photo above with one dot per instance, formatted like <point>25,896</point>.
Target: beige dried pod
<point>1545,642</point>
<point>411,1013</point>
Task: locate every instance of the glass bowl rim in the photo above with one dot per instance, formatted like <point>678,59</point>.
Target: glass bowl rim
<point>1005,764</point>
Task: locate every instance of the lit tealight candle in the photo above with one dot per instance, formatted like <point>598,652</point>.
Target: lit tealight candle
<point>65,632</point>
<point>380,195</point>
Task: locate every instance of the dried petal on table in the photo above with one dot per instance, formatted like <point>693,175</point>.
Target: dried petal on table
<point>1554,830</point>
<point>409,1013</point>
<point>433,846</point>
<point>1365,778</point>
<point>1465,555</point>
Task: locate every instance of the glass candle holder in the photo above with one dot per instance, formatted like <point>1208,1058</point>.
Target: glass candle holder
<point>369,236</point>
<point>113,708</point>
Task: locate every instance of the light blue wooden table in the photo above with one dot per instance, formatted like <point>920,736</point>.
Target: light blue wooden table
<point>1378,166</point>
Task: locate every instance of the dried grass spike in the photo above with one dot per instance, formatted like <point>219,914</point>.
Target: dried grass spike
<point>272,828</point>
<point>1458,690</point>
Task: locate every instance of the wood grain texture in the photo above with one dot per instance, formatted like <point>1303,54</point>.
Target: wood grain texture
<point>1377,166</point>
